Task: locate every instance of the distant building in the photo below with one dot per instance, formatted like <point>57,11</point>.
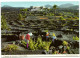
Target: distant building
<point>38,8</point>
<point>35,9</point>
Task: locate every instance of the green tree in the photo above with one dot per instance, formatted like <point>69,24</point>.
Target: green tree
<point>25,11</point>
<point>20,17</point>
<point>3,23</point>
<point>55,7</point>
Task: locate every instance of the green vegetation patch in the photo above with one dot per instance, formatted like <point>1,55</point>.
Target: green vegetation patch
<point>39,44</point>
<point>10,47</point>
<point>75,38</point>
<point>65,43</point>
<point>3,23</point>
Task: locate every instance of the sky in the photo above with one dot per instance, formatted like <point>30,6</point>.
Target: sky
<point>28,4</point>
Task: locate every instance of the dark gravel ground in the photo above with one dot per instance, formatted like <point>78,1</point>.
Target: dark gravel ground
<point>22,52</point>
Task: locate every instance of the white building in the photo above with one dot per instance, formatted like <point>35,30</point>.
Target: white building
<point>37,8</point>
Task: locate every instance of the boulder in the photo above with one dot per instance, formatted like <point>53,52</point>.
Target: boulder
<point>56,43</point>
<point>44,52</point>
<point>60,47</point>
<point>50,52</point>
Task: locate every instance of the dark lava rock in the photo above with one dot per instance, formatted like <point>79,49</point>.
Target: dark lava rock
<point>76,44</point>
<point>60,36</point>
<point>10,37</point>
<point>56,43</point>
<point>18,42</point>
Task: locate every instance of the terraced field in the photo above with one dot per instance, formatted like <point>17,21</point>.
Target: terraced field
<point>37,26</point>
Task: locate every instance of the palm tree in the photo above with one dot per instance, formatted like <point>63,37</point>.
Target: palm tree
<point>55,7</point>
<point>25,11</point>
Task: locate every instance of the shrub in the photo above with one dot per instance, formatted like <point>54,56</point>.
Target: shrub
<point>68,18</point>
<point>58,14</point>
<point>46,48</point>
<point>61,18</point>
<point>35,45</point>
<point>46,45</point>
<point>68,47</point>
<point>22,25</point>
<point>50,14</point>
<point>24,43</point>
<point>10,47</point>
<point>75,38</point>
<point>31,45</point>
<point>64,25</point>
<point>46,30</point>
<point>76,17</point>
<point>39,41</point>
<point>71,29</point>
<point>9,29</point>
<point>39,44</point>
<point>65,43</point>
<point>64,15</point>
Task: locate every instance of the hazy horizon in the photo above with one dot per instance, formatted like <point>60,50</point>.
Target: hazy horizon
<point>28,4</point>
